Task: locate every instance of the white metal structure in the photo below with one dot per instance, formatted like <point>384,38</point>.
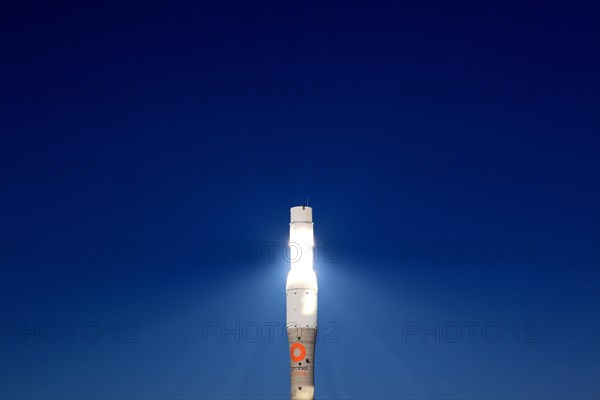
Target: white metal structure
<point>301,304</point>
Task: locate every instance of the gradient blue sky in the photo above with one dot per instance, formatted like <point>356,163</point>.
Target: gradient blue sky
<point>150,153</point>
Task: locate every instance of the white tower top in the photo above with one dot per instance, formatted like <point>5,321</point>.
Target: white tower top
<point>302,241</point>
<point>301,214</point>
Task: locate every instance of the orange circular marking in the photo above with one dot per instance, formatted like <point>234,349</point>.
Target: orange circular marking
<point>300,356</point>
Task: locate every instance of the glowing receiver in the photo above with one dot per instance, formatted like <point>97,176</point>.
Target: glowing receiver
<point>301,304</point>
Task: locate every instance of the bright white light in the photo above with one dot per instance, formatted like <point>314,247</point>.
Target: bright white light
<point>301,246</point>
<point>302,242</point>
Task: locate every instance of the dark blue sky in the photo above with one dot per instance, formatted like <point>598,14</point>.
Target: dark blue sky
<point>150,153</point>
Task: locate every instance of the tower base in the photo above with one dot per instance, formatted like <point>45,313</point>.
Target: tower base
<point>302,362</point>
